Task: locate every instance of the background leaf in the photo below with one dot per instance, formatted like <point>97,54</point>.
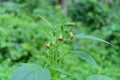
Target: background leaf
<point>31,72</point>
<point>98,77</point>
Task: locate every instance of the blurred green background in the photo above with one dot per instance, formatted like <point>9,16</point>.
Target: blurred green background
<point>22,40</point>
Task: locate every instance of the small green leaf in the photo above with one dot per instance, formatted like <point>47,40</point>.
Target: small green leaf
<point>86,57</point>
<point>31,71</point>
<point>70,24</point>
<point>98,77</point>
<point>91,37</point>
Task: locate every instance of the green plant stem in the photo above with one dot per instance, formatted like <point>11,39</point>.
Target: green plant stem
<point>48,59</point>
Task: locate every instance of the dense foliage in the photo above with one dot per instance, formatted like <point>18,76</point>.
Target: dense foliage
<point>92,14</point>
<point>24,34</point>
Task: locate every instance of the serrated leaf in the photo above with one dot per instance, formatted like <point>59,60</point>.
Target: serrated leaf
<point>91,37</point>
<point>31,71</point>
<point>86,57</point>
<point>98,77</point>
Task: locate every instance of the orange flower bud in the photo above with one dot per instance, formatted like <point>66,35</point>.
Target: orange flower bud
<point>47,46</point>
<point>60,38</point>
<point>72,36</point>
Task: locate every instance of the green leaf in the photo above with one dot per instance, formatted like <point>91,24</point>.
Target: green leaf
<point>52,27</point>
<point>31,71</point>
<point>98,77</point>
<point>91,37</point>
<point>86,57</point>
<point>61,71</point>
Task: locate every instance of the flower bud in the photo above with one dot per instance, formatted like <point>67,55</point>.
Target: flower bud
<point>72,36</point>
<point>60,38</point>
<point>47,46</point>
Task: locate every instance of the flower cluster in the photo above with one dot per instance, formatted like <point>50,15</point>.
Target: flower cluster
<point>72,37</point>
